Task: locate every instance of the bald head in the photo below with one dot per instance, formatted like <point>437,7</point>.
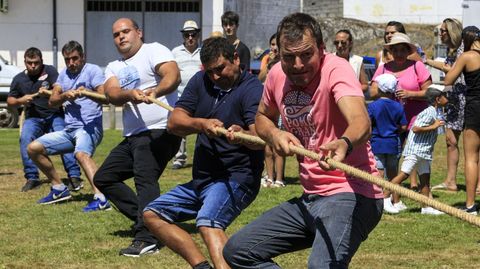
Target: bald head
<point>127,37</point>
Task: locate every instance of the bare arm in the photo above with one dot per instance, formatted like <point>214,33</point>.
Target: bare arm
<point>374,90</point>
<point>456,70</point>
<point>358,130</point>
<point>438,65</point>
<point>417,95</point>
<point>363,78</point>
<point>24,100</point>
<point>170,78</point>
<point>268,131</point>
<point>116,96</point>
<point>100,90</point>
<point>378,58</point>
<point>182,123</point>
<point>237,129</point>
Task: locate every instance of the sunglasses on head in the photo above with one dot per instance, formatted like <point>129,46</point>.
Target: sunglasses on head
<point>190,34</point>
<point>336,42</point>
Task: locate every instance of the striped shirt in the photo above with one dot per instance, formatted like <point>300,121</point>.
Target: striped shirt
<point>421,144</point>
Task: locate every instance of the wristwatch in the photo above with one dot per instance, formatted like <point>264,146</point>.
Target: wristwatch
<point>349,145</point>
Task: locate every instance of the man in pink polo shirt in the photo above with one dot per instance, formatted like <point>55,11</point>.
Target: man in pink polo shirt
<point>322,106</point>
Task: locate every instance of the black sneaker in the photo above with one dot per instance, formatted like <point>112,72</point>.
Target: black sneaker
<point>73,183</point>
<point>139,248</point>
<point>31,185</point>
<point>470,210</point>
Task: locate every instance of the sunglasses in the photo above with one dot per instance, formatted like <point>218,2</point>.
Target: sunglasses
<point>336,42</point>
<point>443,30</point>
<point>192,35</point>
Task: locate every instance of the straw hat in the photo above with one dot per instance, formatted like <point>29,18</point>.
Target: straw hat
<point>399,38</point>
<point>190,25</point>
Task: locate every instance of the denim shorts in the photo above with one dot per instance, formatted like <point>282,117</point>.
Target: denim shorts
<point>412,161</point>
<point>388,162</point>
<point>77,140</point>
<point>215,205</point>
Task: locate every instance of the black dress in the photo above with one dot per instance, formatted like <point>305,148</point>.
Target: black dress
<point>472,109</point>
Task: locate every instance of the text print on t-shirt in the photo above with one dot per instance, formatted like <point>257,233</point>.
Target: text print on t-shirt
<point>128,78</point>
<point>298,118</point>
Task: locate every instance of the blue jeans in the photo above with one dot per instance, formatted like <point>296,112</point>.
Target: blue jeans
<point>32,129</point>
<point>333,226</point>
<point>78,140</point>
<point>215,205</point>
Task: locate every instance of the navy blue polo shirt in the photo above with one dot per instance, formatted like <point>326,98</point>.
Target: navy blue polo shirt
<point>23,84</point>
<point>215,158</point>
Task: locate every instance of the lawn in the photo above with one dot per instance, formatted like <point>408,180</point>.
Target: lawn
<point>62,236</point>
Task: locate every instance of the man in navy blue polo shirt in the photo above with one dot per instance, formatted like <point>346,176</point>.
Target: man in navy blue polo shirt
<point>226,175</point>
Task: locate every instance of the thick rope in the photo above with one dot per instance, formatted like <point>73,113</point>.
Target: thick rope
<point>344,167</point>
<point>357,173</point>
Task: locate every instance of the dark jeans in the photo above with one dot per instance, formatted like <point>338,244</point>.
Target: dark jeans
<point>32,129</point>
<point>143,157</point>
<point>333,226</point>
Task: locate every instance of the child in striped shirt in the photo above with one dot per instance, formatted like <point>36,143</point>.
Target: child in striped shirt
<point>418,149</point>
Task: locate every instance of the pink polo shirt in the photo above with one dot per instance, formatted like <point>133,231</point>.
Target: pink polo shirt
<point>313,116</point>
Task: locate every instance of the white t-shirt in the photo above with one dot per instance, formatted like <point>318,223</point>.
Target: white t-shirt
<point>138,72</point>
<point>188,63</point>
<point>356,63</point>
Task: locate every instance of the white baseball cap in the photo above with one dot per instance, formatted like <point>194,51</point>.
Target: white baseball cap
<point>387,83</point>
<point>190,25</point>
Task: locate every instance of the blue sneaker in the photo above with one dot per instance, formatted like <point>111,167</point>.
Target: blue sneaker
<point>97,205</point>
<point>55,196</point>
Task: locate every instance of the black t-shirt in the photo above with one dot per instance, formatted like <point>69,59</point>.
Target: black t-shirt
<point>244,54</point>
<point>24,84</point>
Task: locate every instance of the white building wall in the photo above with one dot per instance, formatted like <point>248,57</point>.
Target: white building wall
<point>212,11</point>
<point>405,11</point>
<point>29,23</point>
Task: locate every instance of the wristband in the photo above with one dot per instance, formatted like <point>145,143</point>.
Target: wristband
<point>349,145</point>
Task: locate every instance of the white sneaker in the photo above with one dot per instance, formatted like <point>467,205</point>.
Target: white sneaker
<point>400,206</point>
<point>388,206</point>
<point>431,211</point>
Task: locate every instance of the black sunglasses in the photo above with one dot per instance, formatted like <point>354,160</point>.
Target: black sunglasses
<point>191,34</point>
<point>336,42</point>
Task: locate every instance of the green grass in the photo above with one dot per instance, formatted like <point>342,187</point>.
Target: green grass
<point>36,236</point>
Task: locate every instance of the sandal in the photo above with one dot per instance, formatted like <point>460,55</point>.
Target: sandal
<point>278,184</point>
<point>267,182</point>
<point>444,187</point>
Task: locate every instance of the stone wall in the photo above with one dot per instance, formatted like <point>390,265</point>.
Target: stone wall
<point>259,19</point>
<point>323,8</point>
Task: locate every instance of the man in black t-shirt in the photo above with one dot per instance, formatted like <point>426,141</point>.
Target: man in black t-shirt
<point>39,117</point>
<point>230,27</point>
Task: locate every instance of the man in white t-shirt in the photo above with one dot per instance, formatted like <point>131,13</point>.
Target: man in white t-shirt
<point>187,57</point>
<point>144,70</point>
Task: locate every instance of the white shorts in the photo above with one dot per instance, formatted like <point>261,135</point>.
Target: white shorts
<point>412,161</point>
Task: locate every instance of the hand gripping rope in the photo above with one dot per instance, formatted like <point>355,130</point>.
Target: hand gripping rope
<point>357,173</point>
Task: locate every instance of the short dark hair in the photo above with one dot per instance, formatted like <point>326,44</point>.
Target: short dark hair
<point>33,52</point>
<point>72,46</point>
<point>346,31</point>
<point>432,94</point>
<point>214,47</point>
<point>293,26</point>
<point>230,17</point>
